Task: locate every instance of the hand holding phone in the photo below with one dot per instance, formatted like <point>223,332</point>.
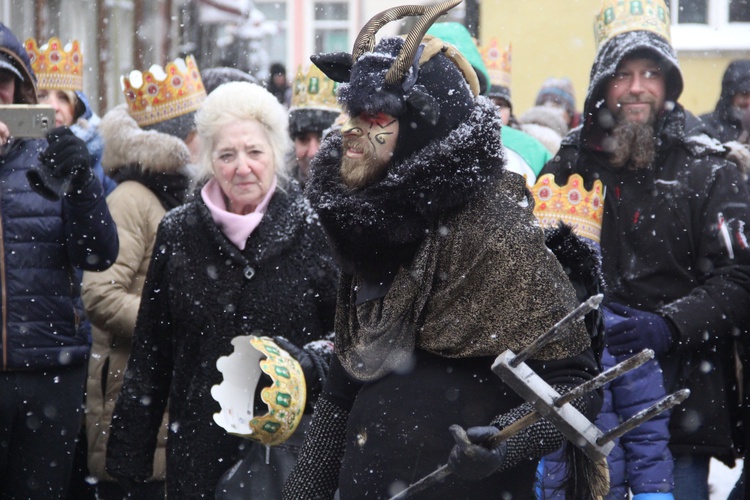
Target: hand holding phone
<point>26,120</point>
<point>4,133</point>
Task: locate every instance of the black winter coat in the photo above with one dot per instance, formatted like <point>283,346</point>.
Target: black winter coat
<point>201,291</point>
<point>673,241</point>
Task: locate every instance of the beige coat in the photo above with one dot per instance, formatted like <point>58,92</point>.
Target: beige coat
<point>112,297</point>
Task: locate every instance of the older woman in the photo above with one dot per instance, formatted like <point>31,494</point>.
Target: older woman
<point>245,257</point>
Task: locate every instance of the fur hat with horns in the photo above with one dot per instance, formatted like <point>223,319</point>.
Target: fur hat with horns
<point>424,82</point>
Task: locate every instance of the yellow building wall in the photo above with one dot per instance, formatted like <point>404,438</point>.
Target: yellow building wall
<point>702,75</point>
<point>556,38</point>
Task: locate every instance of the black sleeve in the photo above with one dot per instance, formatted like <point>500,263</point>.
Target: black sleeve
<point>135,425</point>
<point>316,473</point>
<point>91,234</point>
<point>340,388</point>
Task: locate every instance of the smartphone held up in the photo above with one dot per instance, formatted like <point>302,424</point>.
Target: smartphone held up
<point>28,120</point>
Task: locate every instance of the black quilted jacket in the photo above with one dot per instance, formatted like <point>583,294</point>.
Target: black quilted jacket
<point>201,291</point>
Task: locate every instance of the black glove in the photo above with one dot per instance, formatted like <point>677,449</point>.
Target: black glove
<point>472,460</point>
<point>65,166</point>
<point>313,367</point>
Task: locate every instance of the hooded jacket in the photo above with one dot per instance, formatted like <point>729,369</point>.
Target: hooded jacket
<point>42,243</point>
<point>722,123</point>
<point>673,242</point>
<point>112,297</point>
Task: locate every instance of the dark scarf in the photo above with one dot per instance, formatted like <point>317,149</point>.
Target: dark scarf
<point>378,228</point>
<point>170,188</point>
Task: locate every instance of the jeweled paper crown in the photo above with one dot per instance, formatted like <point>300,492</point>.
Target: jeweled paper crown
<point>285,397</point>
<point>572,204</point>
<point>56,67</point>
<point>498,63</point>
<point>313,90</point>
<point>160,94</point>
<point>621,16</point>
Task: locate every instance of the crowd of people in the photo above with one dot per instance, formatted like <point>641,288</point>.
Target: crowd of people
<point>387,221</point>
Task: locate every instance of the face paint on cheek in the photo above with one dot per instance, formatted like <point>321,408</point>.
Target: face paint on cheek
<point>367,156</point>
<point>382,137</point>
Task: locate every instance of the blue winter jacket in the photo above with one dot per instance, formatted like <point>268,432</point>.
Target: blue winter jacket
<point>640,459</point>
<point>41,242</point>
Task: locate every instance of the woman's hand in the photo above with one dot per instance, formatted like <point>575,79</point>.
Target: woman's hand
<point>4,134</point>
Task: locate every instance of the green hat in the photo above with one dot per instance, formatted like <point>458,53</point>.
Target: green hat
<point>457,35</point>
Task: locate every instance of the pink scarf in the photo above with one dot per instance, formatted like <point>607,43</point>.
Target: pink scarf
<point>237,228</point>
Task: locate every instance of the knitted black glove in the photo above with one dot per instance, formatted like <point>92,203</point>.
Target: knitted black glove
<point>316,474</point>
<point>470,458</point>
<point>65,166</point>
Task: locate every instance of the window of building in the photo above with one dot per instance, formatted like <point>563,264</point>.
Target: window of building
<point>699,25</point>
<point>331,26</point>
<point>275,12</point>
<point>739,11</point>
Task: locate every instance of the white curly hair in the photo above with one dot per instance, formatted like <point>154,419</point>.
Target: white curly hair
<point>237,101</point>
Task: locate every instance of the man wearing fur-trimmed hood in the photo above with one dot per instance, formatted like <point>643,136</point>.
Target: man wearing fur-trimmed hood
<point>674,235</point>
<point>444,269</point>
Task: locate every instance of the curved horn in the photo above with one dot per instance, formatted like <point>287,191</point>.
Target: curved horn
<point>398,69</point>
<point>365,41</point>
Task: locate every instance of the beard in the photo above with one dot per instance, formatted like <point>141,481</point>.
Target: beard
<point>357,173</point>
<point>632,145</point>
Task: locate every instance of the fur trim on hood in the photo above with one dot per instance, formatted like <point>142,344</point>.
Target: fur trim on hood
<point>545,116</point>
<point>546,124</point>
<point>548,137</point>
<point>127,144</point>
<point>383,223</point>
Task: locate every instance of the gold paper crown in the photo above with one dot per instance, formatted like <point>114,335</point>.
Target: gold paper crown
<point>572,204</point>
<point>498,63</point>
<point>158,95</point>
<point>56,67</point>
<point>621,16</point>
<point>314,90</point>
<point>285,397</point>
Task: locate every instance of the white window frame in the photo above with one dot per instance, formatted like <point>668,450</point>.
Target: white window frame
<point>327,24</point>
<point>717,34</point>
<point>284,27</point>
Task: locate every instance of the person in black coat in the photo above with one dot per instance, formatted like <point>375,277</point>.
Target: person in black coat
<point>54,220</point>
<point>246,257</point>
<point>725,122</point>
<point>674,239</point>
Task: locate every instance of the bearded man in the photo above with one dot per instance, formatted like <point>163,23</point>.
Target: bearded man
<point>674,240</point>
<point>444,268</point>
